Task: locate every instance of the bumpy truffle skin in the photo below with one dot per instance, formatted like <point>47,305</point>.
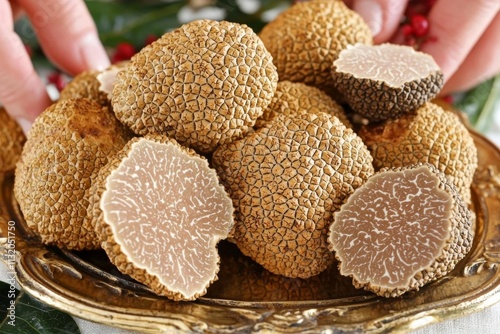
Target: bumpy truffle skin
<point>379,100</point>
<point>12,140</point>
<point>429,135</point>
<point>204,84</point>
<point>67,145</point>
<point>455,248</point>
<point>292,98</point>
<point>305,39</point>
<point>286,180</point>
<point>215,230</point>
<point>85,85</point>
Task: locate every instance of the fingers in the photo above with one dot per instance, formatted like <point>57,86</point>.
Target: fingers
<point>16,9</point>
<point>482,63</point>
<point>22,92</point>
<point>67,34</point>
<point>455,27</point>
<point>382,16</point>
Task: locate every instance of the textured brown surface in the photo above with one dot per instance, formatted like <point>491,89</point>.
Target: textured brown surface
<point>204,84</point>
<point>394,79</point>
<point>292,98</point>
<point>67,145</point>
<point>392,241</point>
<point>161,217</point>
<point>431,135</point>
<point>305,39</point>
<point>286,179</point>
<point>85,85</point>
<point>11,141</point>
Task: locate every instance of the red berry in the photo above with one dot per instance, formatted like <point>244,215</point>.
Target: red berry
<point>150,39</point>
<point>448,99</point>
<point>420,25</point>
<point>125,50</point>
<point>116,58</point>
<point>407,30</point>
<point>57,80</point>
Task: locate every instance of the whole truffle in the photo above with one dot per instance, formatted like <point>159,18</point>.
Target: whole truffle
<point>385,81</point>
<point>12,140</point>
<point>85,85</point>
<point>429,135</point>
<point>67,145</point>
<point>292,98</point>
<point>286,180</point>
<point>160,216</point>
<point>204,84</point>
<point>402,229</point>
<point>305,39</point>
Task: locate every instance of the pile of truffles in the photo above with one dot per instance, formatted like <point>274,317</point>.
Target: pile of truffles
<point>214,132</point>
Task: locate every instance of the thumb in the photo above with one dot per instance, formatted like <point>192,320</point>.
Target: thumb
<point>382,16</point>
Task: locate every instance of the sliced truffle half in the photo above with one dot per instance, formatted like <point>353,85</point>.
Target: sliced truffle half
<point>162,213</point>
<point>402,229</point>
<point>383,81</point>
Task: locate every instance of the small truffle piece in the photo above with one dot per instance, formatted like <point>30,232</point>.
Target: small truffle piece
<point>12,140</point>
<point>401,230</point>
<point>292,98</point>
<point>286,179</point>
<point>203,84</point>
<point>67,145</point>
<point>161,214</point>
<point>306,38</point>
<point>385,81</point>
<point>428,135</point>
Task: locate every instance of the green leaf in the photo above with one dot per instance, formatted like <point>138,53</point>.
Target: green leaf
<point>133,21</point>
<point>28,315</point>
<point>479,103</point>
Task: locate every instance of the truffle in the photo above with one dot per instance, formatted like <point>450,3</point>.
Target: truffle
<point>67,145</point>
<point>385,81</point>
<point>203,84</point>
<point>160,216</point>
<point>292,98</point>
<point>428,135</point>
<point>286,179</point>
<point>12,140</point>
<point>402,229</point>
<point>85,85</point>
<point>305,39</point>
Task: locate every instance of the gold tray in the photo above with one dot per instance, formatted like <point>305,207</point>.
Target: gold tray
<point>247,298</point>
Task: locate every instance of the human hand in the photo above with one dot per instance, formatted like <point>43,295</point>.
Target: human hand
<point>69,39</point>
<point>464,36</point>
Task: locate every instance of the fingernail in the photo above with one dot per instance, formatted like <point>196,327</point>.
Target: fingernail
<point>24,124</point>
<point>371,12</point>
<point>93,53</point>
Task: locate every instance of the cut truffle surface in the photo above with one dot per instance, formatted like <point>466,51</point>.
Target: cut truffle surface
<point>394,65</point>
<point>383,81</point>
<point>167,212</point>
<point>398,225</point>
